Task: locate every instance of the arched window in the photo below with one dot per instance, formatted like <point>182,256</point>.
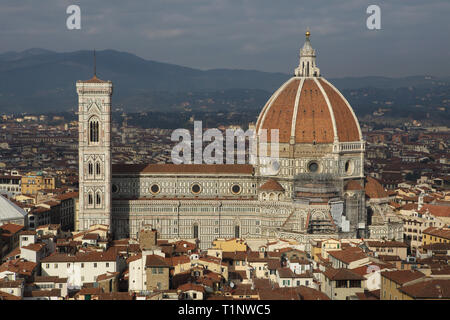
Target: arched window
<point>90,199</point>
<point>195,231</point>
<point>237,232</point>
<point>90,168</point>
<point>98,199</point>
<point>93,130</point>
<point>97,168</point>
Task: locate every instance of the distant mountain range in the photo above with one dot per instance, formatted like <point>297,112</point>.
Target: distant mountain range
<point>39,80</point>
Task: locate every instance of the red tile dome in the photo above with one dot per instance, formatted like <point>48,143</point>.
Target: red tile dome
<point>309,110</point>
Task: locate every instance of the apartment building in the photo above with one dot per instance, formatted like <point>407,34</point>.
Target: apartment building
<point>81,268</point>
<point>391,281</point>
<point>32,182</point>
<point>436,235</point>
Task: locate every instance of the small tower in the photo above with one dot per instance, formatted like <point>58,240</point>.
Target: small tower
<point>94,134</point>
<point>307,65</point>
<point>420,203</point>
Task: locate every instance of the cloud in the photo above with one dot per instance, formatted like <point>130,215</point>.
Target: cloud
<point>251,34</point>
<point>163,34</point>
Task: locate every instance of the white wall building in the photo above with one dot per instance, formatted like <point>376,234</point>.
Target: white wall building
<point>80,268</point>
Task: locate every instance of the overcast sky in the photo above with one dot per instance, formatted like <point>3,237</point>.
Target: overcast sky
<point>244,34</point>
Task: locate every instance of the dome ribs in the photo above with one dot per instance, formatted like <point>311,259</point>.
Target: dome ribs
<point>309,110</point>
<point>313,117</point>
<point>347,128</point>
<point>279,116</point>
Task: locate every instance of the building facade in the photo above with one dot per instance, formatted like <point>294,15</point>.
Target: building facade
<point>35,181</point>
<point>305,194</point>
<point>94,100</point>
<point>11,184</point>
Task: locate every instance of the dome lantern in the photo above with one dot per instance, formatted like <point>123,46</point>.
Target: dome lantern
<point>307,66</point>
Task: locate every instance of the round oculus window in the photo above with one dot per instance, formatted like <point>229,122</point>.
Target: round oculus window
<point>154,188</point>
<point>195,188</point>
<point>313,166</point>
<point>236,189</point>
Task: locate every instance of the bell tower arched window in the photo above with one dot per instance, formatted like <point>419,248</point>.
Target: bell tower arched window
<point>90,199</point>
<point>90,168</point>
<point>98,168</point>
<point>98,199</point>
<point>93,130</point>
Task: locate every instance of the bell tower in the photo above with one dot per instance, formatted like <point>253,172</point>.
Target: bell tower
<point>94,149</point>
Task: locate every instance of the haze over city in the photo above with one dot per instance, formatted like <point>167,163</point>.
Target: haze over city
<point>205,34</point>
<point>229,152</point>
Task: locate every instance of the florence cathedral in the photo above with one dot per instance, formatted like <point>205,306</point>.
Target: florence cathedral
<point>317,192</point>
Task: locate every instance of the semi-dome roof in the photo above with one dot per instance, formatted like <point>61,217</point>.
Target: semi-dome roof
<point>374,189</point>
<point>10,211</point>
<point>309,109</point>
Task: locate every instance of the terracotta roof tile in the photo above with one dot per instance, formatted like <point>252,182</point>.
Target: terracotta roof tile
<point>313,121</point>
<point>11,283</point>
<point>92,256</point>
<point>9,229</point>
<point>43,293</point>
<point>19,266</point>
<point>156,261</point>
<point>108,275</point>
<point>347,127</point>
<point>115,296</point>
<point>271,185</point>
<point>184,168</point>
<point>191,286</point>
<point>94,79</point>
<point>374,189</point>
<point>402,276</point>
<point>387,244</point>
<point>35,246</point>
<point>353,185</point>
<point>348,255</point>
<point>438,232</point>
<point>435,210</point>
<point>428,289</point>
<point>342,274</point>
<point>279,115</point>
<point>6,296</point>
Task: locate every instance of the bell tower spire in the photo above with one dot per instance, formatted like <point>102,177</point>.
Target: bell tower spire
<point>307,64</point>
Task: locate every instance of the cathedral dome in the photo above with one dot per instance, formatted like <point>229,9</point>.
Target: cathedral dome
<point>374,189</point>
<point>309,109</point>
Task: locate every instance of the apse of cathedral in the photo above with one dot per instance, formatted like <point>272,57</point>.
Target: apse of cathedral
<point>317,191</point>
